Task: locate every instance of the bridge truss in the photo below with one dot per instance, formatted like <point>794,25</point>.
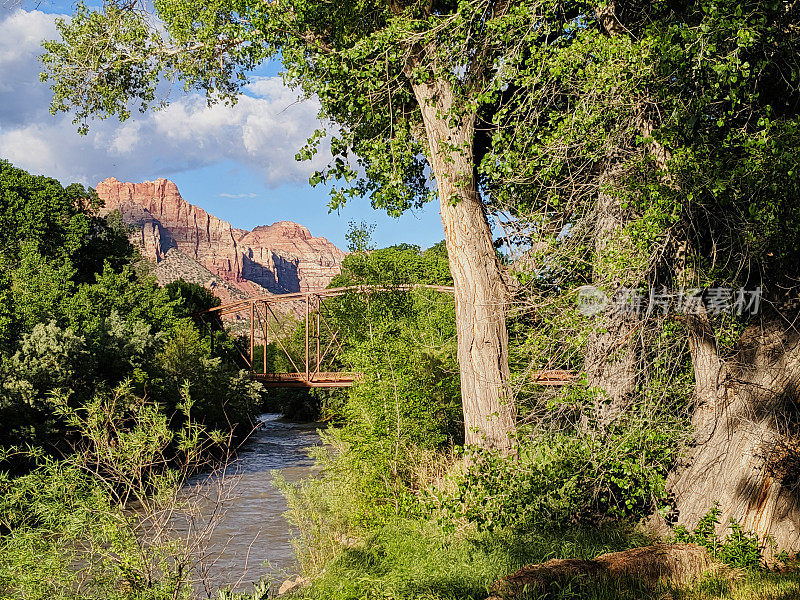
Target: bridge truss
<point>321,342</point>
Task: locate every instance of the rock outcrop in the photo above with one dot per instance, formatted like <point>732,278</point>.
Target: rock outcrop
<point>186,241</point>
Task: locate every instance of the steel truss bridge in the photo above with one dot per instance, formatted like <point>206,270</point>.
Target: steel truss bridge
<point>321,343</point>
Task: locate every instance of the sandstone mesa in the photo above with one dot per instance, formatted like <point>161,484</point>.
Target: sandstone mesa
<point>186,241</point>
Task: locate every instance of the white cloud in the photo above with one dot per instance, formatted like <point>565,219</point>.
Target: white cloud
<point>237,196</point>
<point>263,131</point>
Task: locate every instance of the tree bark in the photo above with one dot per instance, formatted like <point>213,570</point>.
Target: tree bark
<point>480,293</point>
<point>610,362</point>
<point>746,451</point>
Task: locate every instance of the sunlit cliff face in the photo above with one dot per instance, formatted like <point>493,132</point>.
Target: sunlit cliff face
<point>279,258</point>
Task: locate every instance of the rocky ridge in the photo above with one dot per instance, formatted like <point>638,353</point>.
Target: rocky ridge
<point>185,241</point>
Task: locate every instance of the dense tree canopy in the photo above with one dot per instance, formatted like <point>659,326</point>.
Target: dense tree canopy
<point>632,145</point>
<point>78,317</point>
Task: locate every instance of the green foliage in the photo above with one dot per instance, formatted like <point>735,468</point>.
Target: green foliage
<point>124,69</point>
<point>406,405</point>
<point>223,397</point>
<point>397,421</point>
<point>67,526</point>
<point>404,344</point>
<point>396,265</point>
<point>50,240</point>
<point>739,548</point>
<point>37,213</point>
<point>77,331</point>
<point>359,237</point>
<point>49,359</point>
<point>126,294</point>
<point>260,592</point>
<point>733,127</point>
<point>619,474</point>
<point>39,287</point>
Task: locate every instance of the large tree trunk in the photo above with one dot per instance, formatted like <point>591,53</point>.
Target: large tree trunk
<point>610,362</point>
<point>480,293</point>
<point>746,452</point>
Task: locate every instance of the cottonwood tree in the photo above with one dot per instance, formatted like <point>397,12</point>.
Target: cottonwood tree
<point>732,140</point>
<point>699,104</point>
<point>722,140</point>
<point>412,88</point>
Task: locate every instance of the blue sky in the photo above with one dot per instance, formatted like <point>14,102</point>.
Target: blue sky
<point>237,163</point>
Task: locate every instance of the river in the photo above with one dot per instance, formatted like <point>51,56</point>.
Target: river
<point>252,538</point>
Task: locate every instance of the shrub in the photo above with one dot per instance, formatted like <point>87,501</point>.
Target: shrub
<point>68,528</point>
<point>562,477</point>
<point>49,359</point>
<point>739,548</point>
<point>224,397</point>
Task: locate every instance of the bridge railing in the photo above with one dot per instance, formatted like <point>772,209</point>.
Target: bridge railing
<point>319,350</point>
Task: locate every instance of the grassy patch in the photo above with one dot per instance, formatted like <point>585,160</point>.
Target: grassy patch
<point>753,586</point>
<point>407,560</point>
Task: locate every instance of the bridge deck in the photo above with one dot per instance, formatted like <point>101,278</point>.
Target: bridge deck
<point>555,378</point>
<point>299,380</point>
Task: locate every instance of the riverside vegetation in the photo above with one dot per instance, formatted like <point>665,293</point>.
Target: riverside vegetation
<point>109,400</point>
<point>619,145</point>
<point>403,510</point>
<point>395,513</point>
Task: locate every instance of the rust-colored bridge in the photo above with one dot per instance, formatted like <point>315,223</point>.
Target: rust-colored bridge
<point>312,368</point>
<point>321,342</point>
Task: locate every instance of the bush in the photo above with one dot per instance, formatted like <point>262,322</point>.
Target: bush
<point>739,549</point>
<point>224,397</point>
<point>50,359</point>
<point>397,424</point>
<point>68,525</point>
<point>558,478</point>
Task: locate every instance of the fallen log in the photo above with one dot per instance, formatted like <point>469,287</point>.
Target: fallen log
<point>670,564</point>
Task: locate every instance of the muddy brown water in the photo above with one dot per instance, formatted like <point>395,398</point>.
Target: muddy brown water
<point>251,539</point>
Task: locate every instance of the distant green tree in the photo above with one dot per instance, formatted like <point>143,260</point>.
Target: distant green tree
<point>38,212</point>
<point>107,243</point>
<point>402,263</point>
<point>51,239</point>
<point>191,297</point>
<point>359,237</point>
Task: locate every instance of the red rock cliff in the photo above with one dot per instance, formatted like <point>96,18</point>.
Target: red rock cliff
<point>283,257</point>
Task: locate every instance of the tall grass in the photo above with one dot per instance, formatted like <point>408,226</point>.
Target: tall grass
<point>407,560</point>
<point>412,559</point>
